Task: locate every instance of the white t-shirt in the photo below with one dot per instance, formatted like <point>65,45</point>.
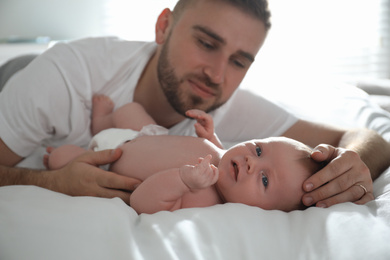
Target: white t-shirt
<point>49,102</point>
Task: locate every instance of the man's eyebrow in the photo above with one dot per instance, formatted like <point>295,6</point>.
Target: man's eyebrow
<point>210,33</point>
<point>218,38</point>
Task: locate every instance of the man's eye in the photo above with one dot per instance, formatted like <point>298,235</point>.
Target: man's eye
<point>206,44</point>
<point>258,151</point>
<point>264,180</point>
<point>238,64</point>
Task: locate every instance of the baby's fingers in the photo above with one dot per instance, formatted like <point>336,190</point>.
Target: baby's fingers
<point>196,113</point>
<point>206,160</point>
<point>215,174</point>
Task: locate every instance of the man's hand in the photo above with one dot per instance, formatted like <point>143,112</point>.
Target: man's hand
<point>82,177</point>
<point>345,178</point>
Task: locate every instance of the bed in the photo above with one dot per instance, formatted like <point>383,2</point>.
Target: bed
<point>40,224</point>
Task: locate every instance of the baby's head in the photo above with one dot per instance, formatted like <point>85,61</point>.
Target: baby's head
<point>267,173</point>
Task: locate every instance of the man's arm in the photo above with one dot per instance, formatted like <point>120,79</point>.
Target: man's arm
<point>80,177</point>
<point>354,157</point>
<point>7,156</point>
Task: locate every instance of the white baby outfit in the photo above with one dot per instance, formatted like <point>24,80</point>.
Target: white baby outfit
<point>115,137</point>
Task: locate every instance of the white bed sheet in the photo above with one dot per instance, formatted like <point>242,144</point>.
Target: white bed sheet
<point>39,224</point>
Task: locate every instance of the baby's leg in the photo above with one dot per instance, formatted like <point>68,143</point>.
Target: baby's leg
<point>130,116</point>
<point>59,157</point>
<point>102,107</point>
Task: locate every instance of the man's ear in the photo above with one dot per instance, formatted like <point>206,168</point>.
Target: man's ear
<point>163,24</point>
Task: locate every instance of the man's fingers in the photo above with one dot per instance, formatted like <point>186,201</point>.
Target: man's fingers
<point>112,180</point>
<point>345,178</point>
<point>100,157</point>
<point>342,165</point>
<point>111,193</point>
<point>323,153</point>
<point>354,193</point>
<point>333,180</point>
<point>342,189</point>
<point>113,185</point>
<point>366,198</point>
<point>333,170</point>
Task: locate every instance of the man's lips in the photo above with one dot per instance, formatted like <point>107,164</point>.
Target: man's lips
<point>201,89</point>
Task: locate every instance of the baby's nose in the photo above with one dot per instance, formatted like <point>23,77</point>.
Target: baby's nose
<point>250,161</point>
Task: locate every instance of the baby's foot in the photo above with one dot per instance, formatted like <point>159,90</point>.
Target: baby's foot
<point>102,107</point>
<point>46,157</point>
<point>57,158</point>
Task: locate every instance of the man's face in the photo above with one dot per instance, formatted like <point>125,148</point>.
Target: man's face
<point>206,55</point>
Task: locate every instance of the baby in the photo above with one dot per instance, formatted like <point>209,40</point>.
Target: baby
<point>183,171</point>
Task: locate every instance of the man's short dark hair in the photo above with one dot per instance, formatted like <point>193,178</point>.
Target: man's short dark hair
<point>257,8</point>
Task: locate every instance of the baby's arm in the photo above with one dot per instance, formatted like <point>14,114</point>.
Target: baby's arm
<point>201,175</point>
<point>164,190</point>
<point>205,126</point>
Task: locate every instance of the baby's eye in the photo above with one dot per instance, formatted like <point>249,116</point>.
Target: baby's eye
<point>265,180</point>
<point>258,151</point>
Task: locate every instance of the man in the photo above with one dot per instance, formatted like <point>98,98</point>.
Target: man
<point>205,48</point>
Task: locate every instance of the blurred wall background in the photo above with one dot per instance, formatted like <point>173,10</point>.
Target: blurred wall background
<point>344,39</point>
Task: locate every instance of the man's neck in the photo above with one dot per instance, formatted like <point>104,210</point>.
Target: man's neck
<point>149,94</point>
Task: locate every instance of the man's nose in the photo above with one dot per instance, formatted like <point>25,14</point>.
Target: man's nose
<point>216,69</point>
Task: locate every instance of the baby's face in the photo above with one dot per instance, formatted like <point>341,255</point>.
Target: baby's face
<point>266,173</point>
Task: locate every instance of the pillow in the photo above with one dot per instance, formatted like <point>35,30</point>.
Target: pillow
<point>8,69</point>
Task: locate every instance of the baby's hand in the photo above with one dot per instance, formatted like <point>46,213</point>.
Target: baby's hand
<point>205,125</point>
<point>201,175</point>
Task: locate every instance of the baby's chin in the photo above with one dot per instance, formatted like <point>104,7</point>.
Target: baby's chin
<point>295,205</point>
<point>217,188</point>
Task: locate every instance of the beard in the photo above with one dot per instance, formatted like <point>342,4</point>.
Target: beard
<point>177,98</point>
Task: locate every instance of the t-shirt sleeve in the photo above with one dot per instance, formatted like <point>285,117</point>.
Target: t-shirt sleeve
<point>49,102</point>
<point>36,104</point>
<point>248,116</point>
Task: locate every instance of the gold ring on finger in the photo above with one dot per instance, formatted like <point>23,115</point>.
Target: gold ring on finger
<point>364,189</point>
